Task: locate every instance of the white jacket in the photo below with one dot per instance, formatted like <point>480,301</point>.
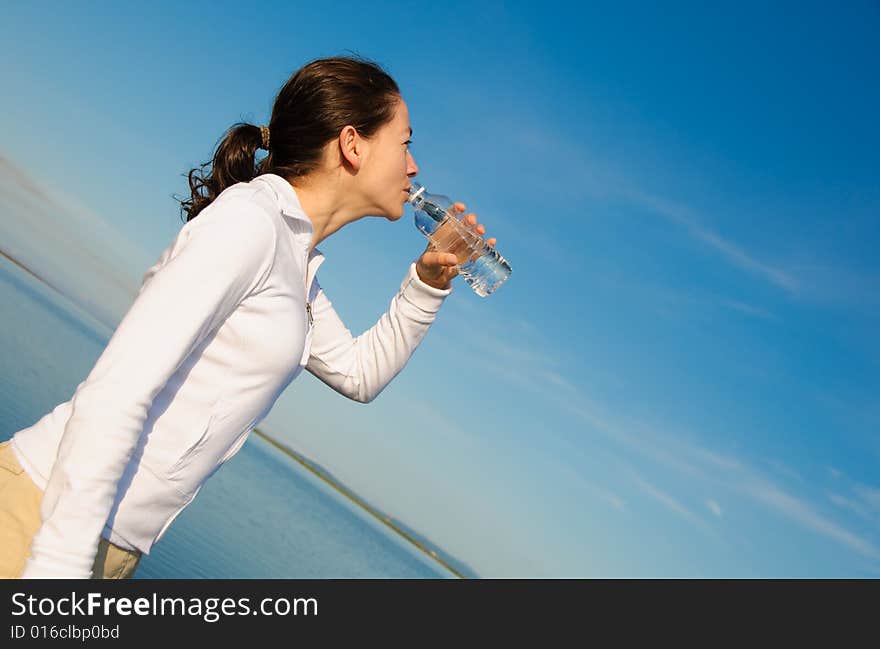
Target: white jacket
<point>220,326</point>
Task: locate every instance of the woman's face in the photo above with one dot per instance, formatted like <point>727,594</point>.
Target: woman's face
<point>389,165</point>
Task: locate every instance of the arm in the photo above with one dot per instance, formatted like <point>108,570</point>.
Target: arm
<point>225,255</point>
<point>361,367</point>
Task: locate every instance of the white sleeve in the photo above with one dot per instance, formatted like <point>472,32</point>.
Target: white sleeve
<point>227,255</point>
<point>361,367</point>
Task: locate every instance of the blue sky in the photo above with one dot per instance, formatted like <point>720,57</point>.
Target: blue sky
<point>680,377</point>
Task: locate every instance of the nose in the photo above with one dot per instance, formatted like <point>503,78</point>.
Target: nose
<point>412,169</point>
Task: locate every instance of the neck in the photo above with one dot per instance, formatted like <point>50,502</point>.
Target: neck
<point>328,203</point>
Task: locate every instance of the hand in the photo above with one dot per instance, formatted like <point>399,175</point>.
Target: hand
<point>437,269</point>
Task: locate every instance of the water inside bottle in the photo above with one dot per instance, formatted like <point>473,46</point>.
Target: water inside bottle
<point>487,273</point>
<point>481,266</point>
<point>452,237</point>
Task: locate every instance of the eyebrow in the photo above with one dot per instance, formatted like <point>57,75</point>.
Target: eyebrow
<point>410,131</point>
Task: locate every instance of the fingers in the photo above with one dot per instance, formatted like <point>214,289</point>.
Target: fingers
<point>471,220</point>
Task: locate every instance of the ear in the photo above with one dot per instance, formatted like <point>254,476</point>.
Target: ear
<point>351,146</point>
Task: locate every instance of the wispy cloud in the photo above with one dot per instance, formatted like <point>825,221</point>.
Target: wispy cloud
<point>668,501</point>
<point>802,513</point>
<point>714,507</point>
<point>833,284</point>
<point>823,283</point>
<point>855,409</point>
<point>862,499</point>
<point>735,254</point>
<point>747,309</point>
<point>780,469</point>
<point>849,504</point>
<point>683,305</point>
<point>576,479</point>
<point>869,495</point>
<point>685,457</point>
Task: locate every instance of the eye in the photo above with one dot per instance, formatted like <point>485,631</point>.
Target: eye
<point>407,143</point>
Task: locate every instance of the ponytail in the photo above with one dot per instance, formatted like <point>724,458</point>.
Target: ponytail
<point>234,162</point>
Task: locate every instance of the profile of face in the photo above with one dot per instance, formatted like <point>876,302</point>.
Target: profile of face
<point>387,166</point>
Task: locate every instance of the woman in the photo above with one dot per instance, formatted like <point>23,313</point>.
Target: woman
<point>224,321</point>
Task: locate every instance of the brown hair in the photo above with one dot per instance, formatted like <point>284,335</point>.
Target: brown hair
<point>310,110</point>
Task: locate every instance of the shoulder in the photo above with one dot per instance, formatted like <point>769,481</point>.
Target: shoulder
<point>239,218</point>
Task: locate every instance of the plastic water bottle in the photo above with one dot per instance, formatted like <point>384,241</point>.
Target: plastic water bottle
<point>481,266</point>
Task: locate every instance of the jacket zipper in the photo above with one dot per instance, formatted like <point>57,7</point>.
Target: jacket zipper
<point>308,304</point>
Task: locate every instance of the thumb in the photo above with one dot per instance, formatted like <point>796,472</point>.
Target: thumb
<point>440,259</point>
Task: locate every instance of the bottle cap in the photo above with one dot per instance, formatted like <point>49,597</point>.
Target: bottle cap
<point>415,190</point>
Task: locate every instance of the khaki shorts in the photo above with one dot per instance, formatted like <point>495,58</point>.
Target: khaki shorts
<point>20,519</point>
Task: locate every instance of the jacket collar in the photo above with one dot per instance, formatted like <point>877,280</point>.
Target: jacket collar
<point>288,202</point>
<point>295,216</point>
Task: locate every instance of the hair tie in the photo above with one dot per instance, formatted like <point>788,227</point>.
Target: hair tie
<point>264,131</point>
